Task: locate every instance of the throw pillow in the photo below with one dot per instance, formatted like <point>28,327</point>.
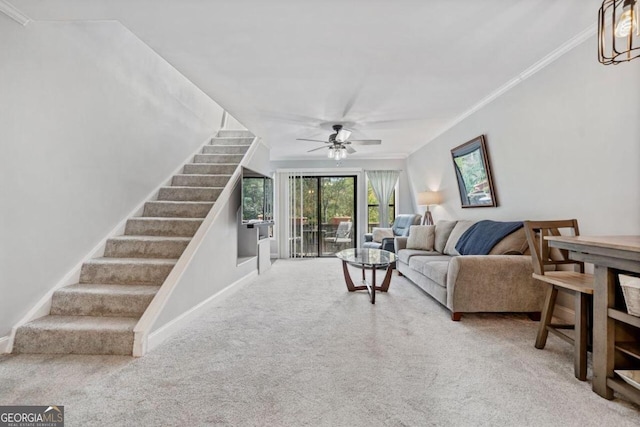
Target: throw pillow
<point>421,237</point>
<point>458,230</point>
<point>443,229</point>
<point>380,233</point>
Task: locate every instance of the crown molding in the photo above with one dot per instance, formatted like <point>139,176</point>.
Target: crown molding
<point>12,12</point>
<point>575,41</point>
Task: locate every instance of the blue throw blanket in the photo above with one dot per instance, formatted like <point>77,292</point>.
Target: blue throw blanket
<point>482,236</point>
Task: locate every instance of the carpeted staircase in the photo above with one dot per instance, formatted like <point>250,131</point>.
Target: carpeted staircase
<point>97,315</point>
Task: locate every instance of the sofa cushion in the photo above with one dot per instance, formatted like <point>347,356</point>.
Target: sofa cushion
<point>380,233</point>
<point>443,229</point>
<point>458,230</point>
<point>514,244</point>
<point>418,262</point>
<point>436,271</point>
<point>405,255</point>
<point>421,237</point>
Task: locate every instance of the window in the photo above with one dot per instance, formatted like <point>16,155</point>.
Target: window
<point>372,208</point>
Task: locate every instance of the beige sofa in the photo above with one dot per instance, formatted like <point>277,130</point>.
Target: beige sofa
<point>498,282</point>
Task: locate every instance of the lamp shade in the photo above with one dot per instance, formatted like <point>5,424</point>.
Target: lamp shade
<point>427,198</point>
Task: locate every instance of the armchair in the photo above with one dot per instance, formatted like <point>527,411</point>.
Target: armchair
<point>399,228</point>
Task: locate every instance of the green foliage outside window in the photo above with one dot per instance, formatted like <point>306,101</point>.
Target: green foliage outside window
<point>336,200</point>
<point>372,202</point>
<point>253,194</point>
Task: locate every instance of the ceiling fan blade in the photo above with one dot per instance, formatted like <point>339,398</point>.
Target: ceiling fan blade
<point>366,141</point>
<point>351,102</point>
<point>316,149</point>
<point>350,149</point>
<point>312,140</point>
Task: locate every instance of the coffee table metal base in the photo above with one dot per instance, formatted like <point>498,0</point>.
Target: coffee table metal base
<point>370,287</point>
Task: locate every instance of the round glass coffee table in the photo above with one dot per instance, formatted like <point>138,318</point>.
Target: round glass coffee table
<point>367,259</point>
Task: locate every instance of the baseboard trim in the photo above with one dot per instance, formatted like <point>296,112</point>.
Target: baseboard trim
<point>5,344</point>
<point>163,333</point>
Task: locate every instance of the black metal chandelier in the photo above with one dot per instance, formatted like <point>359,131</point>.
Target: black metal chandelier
<point>618,31</point>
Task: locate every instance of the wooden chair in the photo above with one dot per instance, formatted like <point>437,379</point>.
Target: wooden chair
<point>574,282</point>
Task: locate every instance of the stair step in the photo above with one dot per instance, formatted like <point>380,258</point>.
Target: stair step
<point>234,140</point>
<point>146,247</point>
<point>225,149</point>
<point>126,271</point>
<point>76,335</point>
<point>211,168</point>
<point>218,158</point>
<point>200,180</point>
<point>228,133</point>
<point>171,227</point>
<point>102,300</point>
<point>166,208</point>
<point>193,194</point>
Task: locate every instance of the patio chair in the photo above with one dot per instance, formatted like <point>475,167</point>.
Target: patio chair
<point>342,235</point>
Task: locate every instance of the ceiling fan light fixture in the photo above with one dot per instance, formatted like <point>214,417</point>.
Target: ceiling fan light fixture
<point>618,31</point>
<point>331,153</point>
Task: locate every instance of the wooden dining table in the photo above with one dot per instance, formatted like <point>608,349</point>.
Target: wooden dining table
<point>616,334</point>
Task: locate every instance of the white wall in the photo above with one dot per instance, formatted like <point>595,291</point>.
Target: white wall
<point>91,121</point>
<point>564,143</point>
<point>212,268</point>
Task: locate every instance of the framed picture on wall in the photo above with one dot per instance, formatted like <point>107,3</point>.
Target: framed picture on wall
<point>473,174</point>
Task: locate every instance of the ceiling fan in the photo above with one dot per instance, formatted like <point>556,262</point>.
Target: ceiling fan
<point>339,143</point>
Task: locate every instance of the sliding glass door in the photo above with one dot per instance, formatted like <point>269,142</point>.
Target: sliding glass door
<point>323,220</point>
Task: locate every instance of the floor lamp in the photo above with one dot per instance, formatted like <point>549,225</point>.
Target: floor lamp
<point>428,198</point>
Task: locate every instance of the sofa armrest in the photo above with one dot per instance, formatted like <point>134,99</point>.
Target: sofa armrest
<point>400,243</point>
<point>368,237</point>
<point>493,283</point>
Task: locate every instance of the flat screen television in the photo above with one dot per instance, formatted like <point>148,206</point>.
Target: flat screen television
<point>257,198</point>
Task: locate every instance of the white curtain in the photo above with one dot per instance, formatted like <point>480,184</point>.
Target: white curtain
<point>289,222</point>
<point>383,183</point>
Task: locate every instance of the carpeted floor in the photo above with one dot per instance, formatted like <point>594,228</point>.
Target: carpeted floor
<point>293,347</point>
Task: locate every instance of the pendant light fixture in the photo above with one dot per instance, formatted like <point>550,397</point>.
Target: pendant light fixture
<point>618,31</point>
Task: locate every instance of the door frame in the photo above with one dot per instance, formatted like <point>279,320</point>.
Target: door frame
<point>282,201</point>
<point>319,195</point>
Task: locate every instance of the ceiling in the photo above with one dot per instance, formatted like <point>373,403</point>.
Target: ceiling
<point>401,71</point>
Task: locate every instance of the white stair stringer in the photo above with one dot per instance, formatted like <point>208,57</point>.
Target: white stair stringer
<point>104,312</point>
